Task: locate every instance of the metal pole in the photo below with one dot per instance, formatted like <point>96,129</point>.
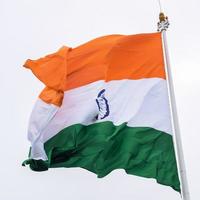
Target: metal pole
<point>162,26</point>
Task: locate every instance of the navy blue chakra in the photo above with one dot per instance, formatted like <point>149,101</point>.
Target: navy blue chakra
<point>102,104</point>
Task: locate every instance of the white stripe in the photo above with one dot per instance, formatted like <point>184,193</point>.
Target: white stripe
<point>40,117</point>
<point>140,103</point>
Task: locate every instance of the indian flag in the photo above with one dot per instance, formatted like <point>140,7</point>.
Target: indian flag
<point>104,107</point>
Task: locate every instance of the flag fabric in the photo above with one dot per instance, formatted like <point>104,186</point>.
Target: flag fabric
<point>104,107</point>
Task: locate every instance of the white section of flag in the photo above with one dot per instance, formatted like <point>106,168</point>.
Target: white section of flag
<point>139,103</point>
<point>40,117</point>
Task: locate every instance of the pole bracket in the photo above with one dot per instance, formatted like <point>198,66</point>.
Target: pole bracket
<point>163,23</point>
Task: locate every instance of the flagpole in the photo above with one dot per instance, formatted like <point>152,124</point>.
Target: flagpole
<point>163,25</point>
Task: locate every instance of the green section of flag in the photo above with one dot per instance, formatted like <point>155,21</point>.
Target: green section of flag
<point>104,147</point>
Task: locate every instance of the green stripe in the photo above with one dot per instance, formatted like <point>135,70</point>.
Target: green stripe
<point>103,147</point>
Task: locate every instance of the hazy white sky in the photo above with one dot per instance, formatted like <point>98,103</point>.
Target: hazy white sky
<point>34,28</point>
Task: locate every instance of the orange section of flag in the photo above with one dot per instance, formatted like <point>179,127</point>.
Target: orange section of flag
<point>112,57</point>
<point>116,57</point>
<point>136,57</point>
<point>51,69</point>
<point>52,96</point>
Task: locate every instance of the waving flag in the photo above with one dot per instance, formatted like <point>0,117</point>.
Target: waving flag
<point>105,106</point>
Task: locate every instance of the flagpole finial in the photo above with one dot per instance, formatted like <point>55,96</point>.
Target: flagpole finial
<point>163,23</point>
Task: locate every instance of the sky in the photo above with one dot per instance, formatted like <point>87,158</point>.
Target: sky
<point>34,28</point>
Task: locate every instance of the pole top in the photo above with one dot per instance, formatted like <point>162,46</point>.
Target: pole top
<point>163,23</point>
<point>162,17</point>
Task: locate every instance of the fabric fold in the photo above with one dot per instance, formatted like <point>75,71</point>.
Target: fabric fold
<point>51,69</point>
